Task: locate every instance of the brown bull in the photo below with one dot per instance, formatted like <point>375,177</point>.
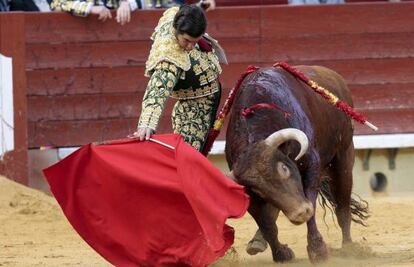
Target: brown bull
<point>262,158</point>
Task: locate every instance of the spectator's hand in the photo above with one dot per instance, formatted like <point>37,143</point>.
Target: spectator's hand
<point>211,4</point>
<point>102,12</point>
<point>123,14</point>
<point>143,133</point>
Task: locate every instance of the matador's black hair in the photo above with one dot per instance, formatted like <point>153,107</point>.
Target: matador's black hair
<point>190,19</point>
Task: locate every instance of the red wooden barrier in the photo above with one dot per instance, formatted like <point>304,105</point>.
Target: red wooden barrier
<point>85,78</point>
<point>232,3</point>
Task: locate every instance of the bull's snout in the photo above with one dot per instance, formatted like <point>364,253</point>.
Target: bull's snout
<point>302,214</point>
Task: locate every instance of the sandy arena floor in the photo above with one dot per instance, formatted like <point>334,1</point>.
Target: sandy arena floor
<point>34,232</point>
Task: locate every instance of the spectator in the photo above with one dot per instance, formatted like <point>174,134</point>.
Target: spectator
<point>162,3</point>
<point>315,2</point>
<point>101,8</point>
<point>179,2</point>
<point>24,5</point>
<point>4,5</point>
<point>43,5</point>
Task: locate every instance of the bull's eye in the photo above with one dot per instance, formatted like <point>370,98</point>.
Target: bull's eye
<point>283,170</point>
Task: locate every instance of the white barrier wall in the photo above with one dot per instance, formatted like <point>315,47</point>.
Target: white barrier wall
<point>6,106</point>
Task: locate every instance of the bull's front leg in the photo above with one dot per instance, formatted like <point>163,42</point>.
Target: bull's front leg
<point>265,216</point>
<point>317,250</point>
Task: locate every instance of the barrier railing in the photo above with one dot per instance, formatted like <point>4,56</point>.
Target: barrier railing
<point>78,80</point>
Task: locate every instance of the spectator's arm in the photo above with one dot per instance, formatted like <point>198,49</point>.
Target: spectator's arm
<point>77,8</point>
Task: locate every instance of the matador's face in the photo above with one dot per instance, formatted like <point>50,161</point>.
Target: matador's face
<point>186,41</point>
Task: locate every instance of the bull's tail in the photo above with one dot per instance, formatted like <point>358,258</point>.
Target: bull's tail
<point>359,207</point>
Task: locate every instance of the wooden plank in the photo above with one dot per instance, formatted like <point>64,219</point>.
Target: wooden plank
<point>86,81</point>
<point>72,133</point>
<point>242,50</point>
<point>376,96</point>
<point>232,72</point>
<point>250,2</point>
<point>118,54</point>
<point>337,46</point>
<point>87,107</point>
<point>388,121</point>
<point>368,71</point>
<point>234,3</point>
<point>63,28</point>
<point>383,96</point>
<point>308,20</point>
<point>356,71</point>
<point>103,54</point>
<point>12,44</point>
<point>127,105</point>
<point>237,22</point>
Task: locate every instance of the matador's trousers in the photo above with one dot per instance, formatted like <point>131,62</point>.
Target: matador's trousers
<point>193,118</point>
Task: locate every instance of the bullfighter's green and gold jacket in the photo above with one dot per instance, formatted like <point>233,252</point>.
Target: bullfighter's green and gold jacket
<point>175,72</point>
<point>83,7</point>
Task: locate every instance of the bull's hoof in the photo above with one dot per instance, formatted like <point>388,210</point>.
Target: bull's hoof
<point>317,250</point>
<point>283,254</point>
<point>256,246</point>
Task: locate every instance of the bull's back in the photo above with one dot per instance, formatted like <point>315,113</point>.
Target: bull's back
<point>328,79</point>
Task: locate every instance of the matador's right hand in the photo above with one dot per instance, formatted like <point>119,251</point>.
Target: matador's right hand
<point>143,133</point>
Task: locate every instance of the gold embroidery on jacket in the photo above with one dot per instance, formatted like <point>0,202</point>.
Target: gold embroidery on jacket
<point>165,46</point>
<point>160,85</point>
<point>190,93</point>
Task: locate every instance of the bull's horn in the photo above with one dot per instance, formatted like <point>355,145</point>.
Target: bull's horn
<point>231,176</point>
<point>281,136</point>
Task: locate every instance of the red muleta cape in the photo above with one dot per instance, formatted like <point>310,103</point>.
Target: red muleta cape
<point>142,204</point>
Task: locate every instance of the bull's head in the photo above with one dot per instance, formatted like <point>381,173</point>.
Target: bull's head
<point>272,175</point>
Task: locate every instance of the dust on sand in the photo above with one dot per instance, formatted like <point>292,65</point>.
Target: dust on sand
<point>34,232</point>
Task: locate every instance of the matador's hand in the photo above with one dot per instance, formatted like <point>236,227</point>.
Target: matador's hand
<point>142,133</point>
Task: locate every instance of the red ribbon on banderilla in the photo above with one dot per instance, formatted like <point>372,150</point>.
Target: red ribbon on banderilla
<point>218,123</point>
<point>330,97</point>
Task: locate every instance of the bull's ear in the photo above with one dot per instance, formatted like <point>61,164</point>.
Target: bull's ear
<point>231,176</point>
